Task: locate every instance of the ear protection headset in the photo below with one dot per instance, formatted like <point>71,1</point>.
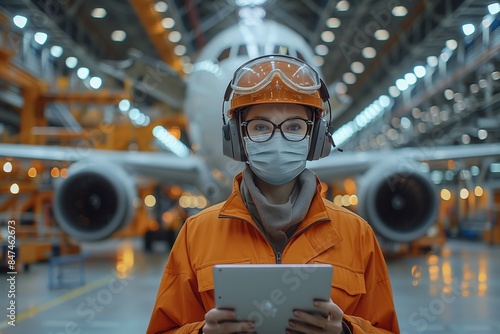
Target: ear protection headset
<point>321,134</point>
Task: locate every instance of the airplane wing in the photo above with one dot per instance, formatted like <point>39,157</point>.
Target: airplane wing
<point>395,195</point>
<point>340,164</point>
<point>97,197</point>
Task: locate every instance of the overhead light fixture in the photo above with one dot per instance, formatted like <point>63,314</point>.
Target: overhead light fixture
<point>56,51</point>
<point>399,11</point>
<point>40,38</point>
<point>349,78</point>
<point>327,36</point>
<point>71,62</point>
<point>180,50</point>
<point>369,52</point>
<point>432,61</point>
<point>321,49</point>
<point>161,7</point>
<point>381,35</point>
<point>249,3</point>
<point>419,71</point>
<point>168,23</point>
<point>118,36</point>
<point>95,82</point>
<point>174,36</point>
<point>494,8</point>
<point>357,67</point>
<point>410,78</point>
<point>83,73</point>
<point>451,44</point>
<point>98,13</point>
<point>468,29</point>
<point>20,21</point>
<point>333,22</point>
<point>343,6</point>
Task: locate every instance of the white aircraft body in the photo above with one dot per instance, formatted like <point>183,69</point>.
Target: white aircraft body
<point>96,199</point>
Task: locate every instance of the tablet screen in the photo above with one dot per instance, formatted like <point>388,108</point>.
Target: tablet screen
<point>268,294</point>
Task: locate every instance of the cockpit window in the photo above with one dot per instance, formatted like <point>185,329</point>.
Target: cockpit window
<point>300,56</point>
<point>224,54</point>
<point>282,50</point>
<point>242,50</point>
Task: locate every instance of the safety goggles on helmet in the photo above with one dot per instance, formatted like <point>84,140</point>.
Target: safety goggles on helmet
<point>257,73</point>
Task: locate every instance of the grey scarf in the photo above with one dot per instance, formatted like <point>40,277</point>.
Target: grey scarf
<point>278,221</point>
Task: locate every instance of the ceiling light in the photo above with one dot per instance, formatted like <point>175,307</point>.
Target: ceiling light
<point>56,51</point>
<point>432,61</point>
<point>468,29</point>
<point>419,71</point>
<point>399,11</point>
<point>451,44</point>
<point>20,21</point>
<point>321,49</point>
<point>343,6</point>
<point>168,23</point>
<point>252,13</point>
<point>474,88</point>
<point>483,83</point>
<point>448,94</point>
<point>333,22</point>
<point>327,36</point>
<point>174,36</point>
<point>495,75</point>
<point>161,7</point>
<point>118,36</point>
<point>40,38</point>
<point>394,91</point>
<point>83,73</point>
<point>95,82</point>
<point>384,101</point>
<point>369,52</point>
<point>124,105</point>
<point>349,78</point>
<point>180,50</point>
<point>244,3</point>
<point>381,35</point>
<point>494,8</point>
<point>402,84</point>
<point>416,112</point>
<point>357,67</point>
<point>71,62</point>
<point>410,78</point>
<point>482,134</point>
<point>98,13</point>
<point>465,139</point>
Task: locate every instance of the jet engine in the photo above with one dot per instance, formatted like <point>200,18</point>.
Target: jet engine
<point>94,201</point>
<point>398,200</point>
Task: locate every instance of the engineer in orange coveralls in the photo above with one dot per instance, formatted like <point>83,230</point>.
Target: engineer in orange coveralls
<point>275,214</point>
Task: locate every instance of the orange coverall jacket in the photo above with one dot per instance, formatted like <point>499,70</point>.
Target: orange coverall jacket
<point>226,234</point>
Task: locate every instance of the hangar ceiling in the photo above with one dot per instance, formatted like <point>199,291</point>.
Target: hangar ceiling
<point>364,48</point>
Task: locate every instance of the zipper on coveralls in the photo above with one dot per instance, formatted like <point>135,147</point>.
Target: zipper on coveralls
<point>277,255</point>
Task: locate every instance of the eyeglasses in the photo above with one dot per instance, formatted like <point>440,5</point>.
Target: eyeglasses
<point>260,130</point>
<point>257,73</point>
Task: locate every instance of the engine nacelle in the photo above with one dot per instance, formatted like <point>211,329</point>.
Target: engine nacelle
<point>398,200</point>
<point>94,201</point>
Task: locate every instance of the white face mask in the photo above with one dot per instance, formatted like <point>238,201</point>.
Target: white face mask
<point>277,161</point>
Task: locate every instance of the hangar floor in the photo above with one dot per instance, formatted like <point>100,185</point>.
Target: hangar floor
<point>455,291</point>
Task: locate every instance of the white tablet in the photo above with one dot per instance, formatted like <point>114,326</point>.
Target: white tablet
<point>268,294</point>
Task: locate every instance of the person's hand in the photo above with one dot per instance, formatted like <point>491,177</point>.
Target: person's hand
<point>218,321</point>
<point>308,323</point>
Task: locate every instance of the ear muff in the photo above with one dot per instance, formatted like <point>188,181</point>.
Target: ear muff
<point>321,140</point>
<point>231,144</point>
